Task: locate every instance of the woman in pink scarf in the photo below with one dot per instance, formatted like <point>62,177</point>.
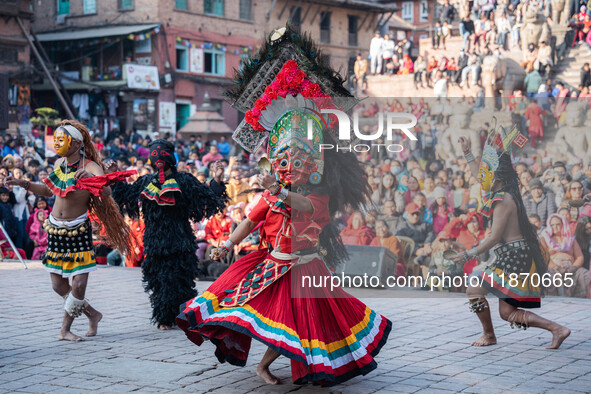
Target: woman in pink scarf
<point>357,232</point>
<point>38,234</point>
<point>566,258</point>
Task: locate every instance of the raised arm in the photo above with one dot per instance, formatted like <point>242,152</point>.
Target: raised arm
<point>33,187</point>
<point>294,200</point>
<point>473,161</point>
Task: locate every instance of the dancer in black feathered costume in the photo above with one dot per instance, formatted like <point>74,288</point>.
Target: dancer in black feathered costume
<point>168,200</point>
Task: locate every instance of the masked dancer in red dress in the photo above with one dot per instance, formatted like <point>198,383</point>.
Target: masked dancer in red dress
<point>272,295</point>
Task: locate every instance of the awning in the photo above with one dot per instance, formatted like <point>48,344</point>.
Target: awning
<point>397,23</point>
<point>107,31</point>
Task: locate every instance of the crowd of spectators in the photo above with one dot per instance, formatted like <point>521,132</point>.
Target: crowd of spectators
<point>487,28</point>
<point>420,204</point>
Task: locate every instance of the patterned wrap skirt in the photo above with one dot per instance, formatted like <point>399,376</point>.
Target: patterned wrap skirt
<point>513,276</point>
<point>329,336</point>
<point>69,249</point>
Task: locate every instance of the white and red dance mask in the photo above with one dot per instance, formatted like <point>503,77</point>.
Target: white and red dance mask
<point>294,147</point>
<point>162,157</point>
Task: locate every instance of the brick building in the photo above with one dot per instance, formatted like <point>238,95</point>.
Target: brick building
<point>148,63</point>
<point>422,15</point>
<point>16,75</point>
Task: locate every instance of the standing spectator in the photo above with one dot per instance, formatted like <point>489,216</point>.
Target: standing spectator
<point>447,12</point>
<point>387,54</point>
<point>375,53</point>
<point>539,202</point>
<point>360,70</point>
<point>445,34</point>
<point>534,113</point>
<point>420,67</point>
<point>211,156</point>
<point>38,234</point>
<point>223,146</point>
<point>437,34</point>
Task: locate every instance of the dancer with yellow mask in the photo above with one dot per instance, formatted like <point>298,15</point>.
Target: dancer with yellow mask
<point>79,184</point>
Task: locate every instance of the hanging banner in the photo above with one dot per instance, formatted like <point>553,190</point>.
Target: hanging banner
<point>197,60</point>
<point>142,77</point>
<point>167,116</point>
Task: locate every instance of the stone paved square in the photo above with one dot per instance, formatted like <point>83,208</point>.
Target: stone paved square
<point>428,350</point>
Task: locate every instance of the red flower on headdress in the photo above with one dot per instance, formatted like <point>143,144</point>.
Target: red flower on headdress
<point>290,80</point>
<point>270,92</point>
<point>313,90</point>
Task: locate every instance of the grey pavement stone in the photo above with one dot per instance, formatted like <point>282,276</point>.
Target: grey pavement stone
<point>428,352</point>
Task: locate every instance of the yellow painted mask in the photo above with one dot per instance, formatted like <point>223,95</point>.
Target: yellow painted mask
<point>486,176</point>
<point>61,142</point>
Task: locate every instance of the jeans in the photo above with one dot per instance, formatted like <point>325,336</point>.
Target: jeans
<point>466,37</point>
<point>502,38</point>
<point>376,64</point>
<point>419,77</point>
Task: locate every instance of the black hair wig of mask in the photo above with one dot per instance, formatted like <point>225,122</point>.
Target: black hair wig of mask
<point>345,182</point>
<point>506,173</point>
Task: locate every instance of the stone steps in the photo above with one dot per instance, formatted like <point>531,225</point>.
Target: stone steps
<point>568,70</point>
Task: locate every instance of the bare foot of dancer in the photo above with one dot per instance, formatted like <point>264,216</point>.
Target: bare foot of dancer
<point>267,375</point>
<point>69,336</point>
<point>93,321</point>
<point>559,334</point>
<point>485,340</point>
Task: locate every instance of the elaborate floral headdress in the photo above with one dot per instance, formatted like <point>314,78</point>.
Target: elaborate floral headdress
<point>288,64</point>
<point>498,143</point>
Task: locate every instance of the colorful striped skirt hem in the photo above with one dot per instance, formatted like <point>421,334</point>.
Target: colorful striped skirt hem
<point>328,339</point>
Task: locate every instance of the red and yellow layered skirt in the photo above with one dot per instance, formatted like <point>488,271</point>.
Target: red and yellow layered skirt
<point>329,336</point>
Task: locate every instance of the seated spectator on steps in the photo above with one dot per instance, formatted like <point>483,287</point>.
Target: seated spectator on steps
<point>357,232</point>
<point>385,238</point>
<point>421,233</point>
<point>566,257</point>
<point>217,231</point>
